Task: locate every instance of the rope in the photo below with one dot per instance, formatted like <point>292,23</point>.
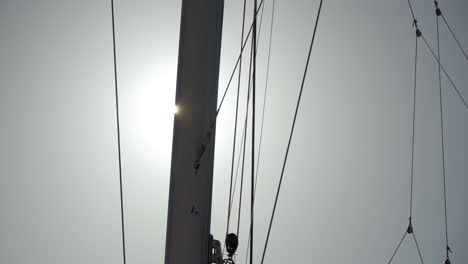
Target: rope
<point>291,133</point>
<point>235,121</point>
<point>118,135</point>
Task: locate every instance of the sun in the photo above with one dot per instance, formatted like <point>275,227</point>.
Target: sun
<point>151,112</point>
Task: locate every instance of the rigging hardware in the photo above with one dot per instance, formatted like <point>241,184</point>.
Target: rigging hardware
<point>410,227</point>
<point>438,12</point>
<point>232,243</point>
<point>216,254</point>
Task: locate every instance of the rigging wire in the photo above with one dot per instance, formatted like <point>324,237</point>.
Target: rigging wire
<point>291,134</point>
<point>413,125</point>
<point>410,229</point>
<point>439,13</point>
<point>447,248</point>
<point>241,154</point>
<point>418,34</point>
<point>235,121</point>
<point>454,37</point>
<point>265,93</point>
<point>260,26</point>
<point>435,56</point>
<point>245,143</point>
<point>238,59</point>
<point>210,130</point>
<point>238,165</point>
<point>244,134</point>
<point>412,169</point>
<point>124,255</point>
<point>445,72</point>
<point>254,82</point>
<point>263,110</point>
<point>412,13</point>
<point>398,247</point>
<point>417,247</point>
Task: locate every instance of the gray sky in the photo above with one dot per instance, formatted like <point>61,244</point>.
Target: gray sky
<point>346,188</point>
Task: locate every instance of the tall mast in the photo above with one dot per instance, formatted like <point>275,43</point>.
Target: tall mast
<point>188,238</point>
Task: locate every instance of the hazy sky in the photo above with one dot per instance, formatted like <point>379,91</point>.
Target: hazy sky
<point>345,196</point>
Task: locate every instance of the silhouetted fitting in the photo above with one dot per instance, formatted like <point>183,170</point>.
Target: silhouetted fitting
<point>447,261</point>
<point>438,12</point>
<point>231,244</point>
<point>196,165</point>
<point>228,261</point>
<point>436,4</point>
<point>410,228</point>
<point>418,33</point>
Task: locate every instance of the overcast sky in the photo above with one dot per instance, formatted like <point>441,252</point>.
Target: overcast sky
<point>345,196</point>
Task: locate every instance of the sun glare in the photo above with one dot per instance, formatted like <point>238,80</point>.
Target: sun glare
<point>151,112</point>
